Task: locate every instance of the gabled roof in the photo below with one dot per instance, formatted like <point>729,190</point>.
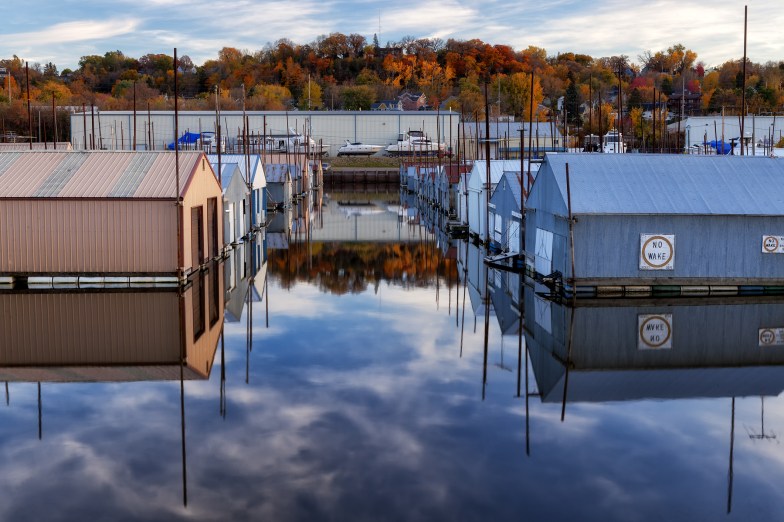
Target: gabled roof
<point>497,169</point>
<point>514,181</point>
<point>670,184</point>
<point>256,168</point>
<point>228,171</point>
<point>94,174</point>
<point>277,172</point>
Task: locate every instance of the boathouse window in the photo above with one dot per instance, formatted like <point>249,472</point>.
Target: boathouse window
<point>198,307</point>
<point>197,236</point>
<point>212,231</point>
<point>214,294</point>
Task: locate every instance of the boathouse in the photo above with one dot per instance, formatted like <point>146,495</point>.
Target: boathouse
<point>236,203</point>
<point>254,177</point>
<point>478,188</point>
<point>506,218</point>
<point>279,186</point>
<point>103,213</point>
<point>645,221</point>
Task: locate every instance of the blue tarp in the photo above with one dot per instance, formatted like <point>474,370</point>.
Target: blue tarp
<point>189,138</point>
<point>722,147</point>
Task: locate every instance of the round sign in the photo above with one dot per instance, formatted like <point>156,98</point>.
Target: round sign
<point>767,337</point>
<point>655,331</point>
<point>771,244</point>
<point>657,251</point>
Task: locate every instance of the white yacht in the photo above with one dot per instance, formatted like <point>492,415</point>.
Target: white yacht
<point>415,142</point>
<point>358,149</point>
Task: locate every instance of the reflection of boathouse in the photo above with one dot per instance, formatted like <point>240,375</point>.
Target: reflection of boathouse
<point>653,349</point>
<point>83,336</point>
<point>107,213</point>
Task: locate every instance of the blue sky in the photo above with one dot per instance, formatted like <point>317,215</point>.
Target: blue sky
<point>63,31</point>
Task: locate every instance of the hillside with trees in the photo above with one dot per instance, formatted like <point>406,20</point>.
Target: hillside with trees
<point>339,71</point>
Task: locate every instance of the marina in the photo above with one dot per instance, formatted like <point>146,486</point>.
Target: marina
<point>429,362</point>
<point>413,276</point>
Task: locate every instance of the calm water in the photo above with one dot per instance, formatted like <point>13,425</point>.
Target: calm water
<point>375,387</point>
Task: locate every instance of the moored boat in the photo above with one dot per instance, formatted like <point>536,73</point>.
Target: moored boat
<point>358,149</point>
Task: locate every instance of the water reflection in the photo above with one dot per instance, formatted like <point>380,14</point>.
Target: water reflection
<point>651,348</point>
<point>118,336</point>
<point>377,379</point>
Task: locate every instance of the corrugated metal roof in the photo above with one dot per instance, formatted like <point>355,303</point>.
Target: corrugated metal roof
<point>276,172</point>
<point>511,130</point>
<point>514,180</point>
<point>228,171</point>
<point>132,176</point>
<point>670,184</point>
<point>497,168</point>
<point>255,164</point>
<point>6,160</point>
<point>93,174</point>
<point>60,175</point>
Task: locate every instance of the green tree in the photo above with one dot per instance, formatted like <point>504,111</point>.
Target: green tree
<point>358,98</point>
<point>572,102</point>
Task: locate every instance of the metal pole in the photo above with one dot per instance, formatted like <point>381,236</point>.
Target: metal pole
<point>134,115</point>
<point>54,123</point>
<point>29,113</point>
<point>743,95</point>
<point>84,124</point>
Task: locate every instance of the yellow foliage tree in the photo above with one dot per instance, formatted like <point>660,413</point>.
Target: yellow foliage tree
<point>517,90</point>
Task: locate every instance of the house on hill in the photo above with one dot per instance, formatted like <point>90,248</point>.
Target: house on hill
<point>412,101</point>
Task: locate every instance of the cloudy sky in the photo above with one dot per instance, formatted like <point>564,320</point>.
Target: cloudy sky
<point>62,31</point>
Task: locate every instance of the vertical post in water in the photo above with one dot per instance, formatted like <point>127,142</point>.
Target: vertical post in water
<point>487,170</point>
<point>180,217</point>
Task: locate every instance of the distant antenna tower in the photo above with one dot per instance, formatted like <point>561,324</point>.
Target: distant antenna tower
<point>379,26</point>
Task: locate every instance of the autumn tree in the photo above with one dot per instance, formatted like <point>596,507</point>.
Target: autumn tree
<point>517,91</point>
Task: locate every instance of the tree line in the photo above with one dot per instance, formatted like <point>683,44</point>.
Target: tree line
<point>339,71</point>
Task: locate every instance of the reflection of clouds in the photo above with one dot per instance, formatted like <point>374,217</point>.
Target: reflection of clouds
<point>359,408</point>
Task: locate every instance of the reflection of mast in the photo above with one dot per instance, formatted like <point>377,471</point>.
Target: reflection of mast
<point>40,423</point>
<point>7,395</point>
<point>223,378</point>
<point>732,447</point>
<point>182,435</point>
<point>465,284</point>
<point>501,363</point>
<point>486,300</point>
<point>762,435</point>
<point>567,363</point>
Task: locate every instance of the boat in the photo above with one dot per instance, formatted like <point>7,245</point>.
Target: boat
<point>282,142</point>
<point>414,142</point>
<point>358,149</point>
<point>612,142</point>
